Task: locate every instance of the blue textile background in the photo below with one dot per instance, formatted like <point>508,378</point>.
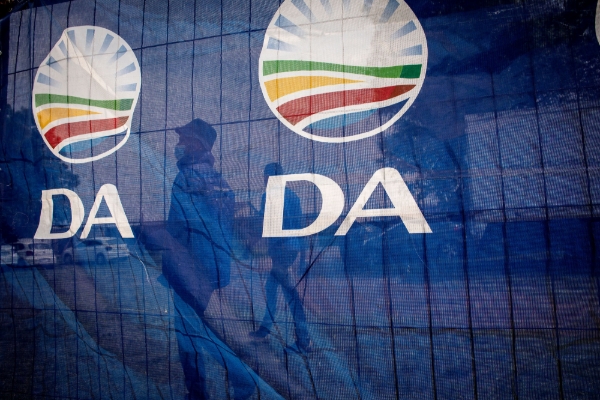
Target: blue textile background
<point>499,150</point>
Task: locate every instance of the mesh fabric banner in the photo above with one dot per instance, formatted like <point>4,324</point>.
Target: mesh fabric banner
<point>332,199</point>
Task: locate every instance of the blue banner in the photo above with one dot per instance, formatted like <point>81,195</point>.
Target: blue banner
<point>300,199</point>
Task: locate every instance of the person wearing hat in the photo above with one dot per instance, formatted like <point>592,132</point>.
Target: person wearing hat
<point>197,262</point>
<point>201,213</point>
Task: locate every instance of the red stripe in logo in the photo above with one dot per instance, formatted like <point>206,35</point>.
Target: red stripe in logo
<point>296,110</point>
<point>59,133</point>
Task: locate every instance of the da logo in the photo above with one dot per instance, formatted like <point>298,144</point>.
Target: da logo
<point>342,70</point>
<point>84,94</point>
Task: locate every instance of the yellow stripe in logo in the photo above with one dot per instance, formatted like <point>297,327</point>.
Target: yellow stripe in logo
<point>52,114</point>
<point>277,88</point>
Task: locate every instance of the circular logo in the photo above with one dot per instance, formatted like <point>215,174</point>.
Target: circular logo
<point>341,70</point>
<point>84,94</point>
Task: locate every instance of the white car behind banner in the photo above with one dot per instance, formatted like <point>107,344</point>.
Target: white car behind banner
<point>29,252</point>
<point>99,250</point>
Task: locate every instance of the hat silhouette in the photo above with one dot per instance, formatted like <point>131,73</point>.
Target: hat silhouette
<point>201,130</point>
<point>273,169</point>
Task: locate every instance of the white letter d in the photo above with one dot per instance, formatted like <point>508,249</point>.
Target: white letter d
<point>45,225</point>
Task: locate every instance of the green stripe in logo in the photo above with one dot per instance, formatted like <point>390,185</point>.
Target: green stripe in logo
<point>118,105</point>
<point>399,71</point>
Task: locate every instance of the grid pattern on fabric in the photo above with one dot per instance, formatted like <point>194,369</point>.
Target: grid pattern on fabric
<point>499,152</point>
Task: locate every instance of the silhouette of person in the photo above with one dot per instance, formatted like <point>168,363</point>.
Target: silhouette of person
<point>283,253</point>
<point>197,256</point>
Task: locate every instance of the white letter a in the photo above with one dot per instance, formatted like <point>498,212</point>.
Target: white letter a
<point>404,205</point>
<point>109,193</point>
